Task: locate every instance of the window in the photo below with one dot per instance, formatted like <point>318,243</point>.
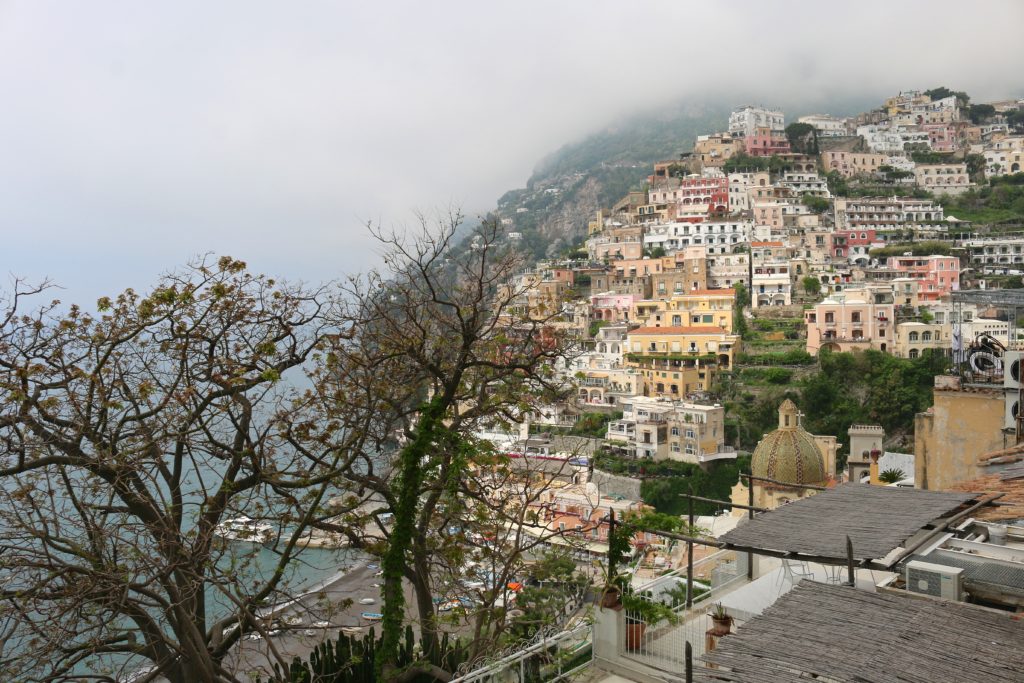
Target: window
<point>690,434</point>
<point>675,431</point>
<point>830,317</point>
<point>926,336</point>
<point>913,353</point>
<point>675,448</point>
<point>855,316</point>
<point>912,337</point>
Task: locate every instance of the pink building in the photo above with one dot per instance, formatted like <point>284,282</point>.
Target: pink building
<point>852,320</point>
<point>853,243</point>
<point>612,307</point>
<point>942,136</point>
<point>765,142</point>
<point>693,193</point>
<point>937,276</point>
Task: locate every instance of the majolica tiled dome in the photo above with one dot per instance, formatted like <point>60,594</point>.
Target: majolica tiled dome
<point>789,454</point>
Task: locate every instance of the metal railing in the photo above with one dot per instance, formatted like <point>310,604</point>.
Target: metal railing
<point>551,655</point>
<point>662,644</point>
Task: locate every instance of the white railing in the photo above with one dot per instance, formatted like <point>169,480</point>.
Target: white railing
<point>548,656</point>
<point>663,644</point>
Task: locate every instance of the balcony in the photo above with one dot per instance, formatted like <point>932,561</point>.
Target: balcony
<point>719,455</point>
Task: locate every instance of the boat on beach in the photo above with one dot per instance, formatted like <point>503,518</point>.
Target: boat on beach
<point>372,616</point>
<point>245,529</point>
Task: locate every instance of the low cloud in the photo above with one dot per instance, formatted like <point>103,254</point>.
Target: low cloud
<point>136,135</point>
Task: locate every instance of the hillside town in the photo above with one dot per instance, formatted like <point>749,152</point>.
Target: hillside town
<point>766,251</point>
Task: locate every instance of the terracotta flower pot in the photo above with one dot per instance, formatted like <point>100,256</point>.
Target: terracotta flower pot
<point>634,634</point>
<point>722,626</point>
<point>611,598</point>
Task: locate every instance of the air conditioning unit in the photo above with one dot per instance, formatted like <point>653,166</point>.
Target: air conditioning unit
<point>1012,361</point>
<point>937,580</point>
<point>1012,409</point>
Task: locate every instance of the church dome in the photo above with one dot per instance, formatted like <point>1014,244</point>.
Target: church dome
<point>789,454</point>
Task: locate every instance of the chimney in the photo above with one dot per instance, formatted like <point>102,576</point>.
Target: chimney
<point>875,455</point>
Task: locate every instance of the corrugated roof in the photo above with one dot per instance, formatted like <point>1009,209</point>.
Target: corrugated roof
<point>878,519</point>
<point>844,634</point>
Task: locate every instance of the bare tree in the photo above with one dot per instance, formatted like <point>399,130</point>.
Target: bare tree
<point>126,439</point>
<point>440,348</point>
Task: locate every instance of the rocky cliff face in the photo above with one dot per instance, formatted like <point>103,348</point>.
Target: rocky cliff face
<point>568,187</point>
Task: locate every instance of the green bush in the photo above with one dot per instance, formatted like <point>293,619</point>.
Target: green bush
<point>778,375</point>
<point>792,357</point>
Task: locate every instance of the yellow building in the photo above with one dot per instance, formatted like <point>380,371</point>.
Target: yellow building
<point>791,457</point>
<point>714,150</point>
<point>675,360</point>
<point>913,339</point>
<point>963,424</point>
<point>698,308</point>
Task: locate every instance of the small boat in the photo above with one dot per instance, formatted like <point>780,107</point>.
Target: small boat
<point>372,616</point>
<point>367,601</point>
<point>245,529</point>
<point>448,605</point>
<point>352,630</point>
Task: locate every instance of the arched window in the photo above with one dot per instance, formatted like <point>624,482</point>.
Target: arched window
<point>913,353</point>
<point>912,336</point>
<point>926,336</point>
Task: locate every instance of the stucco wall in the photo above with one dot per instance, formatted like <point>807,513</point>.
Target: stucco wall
<point>949,439</point>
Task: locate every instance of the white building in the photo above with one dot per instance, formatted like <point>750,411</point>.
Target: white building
<point>719,237</point>
<point>996,254</point>
<point>827,126</point>
<point>725,270</point>
<point>770,277</point>
<point>745,120</point>
<point>915,139</point>
<point>900,163</point>
<point>661,429</point>
<point>740,187</point>
<point>805,184</point>
<point>886,213</point>
<point>881,138</point>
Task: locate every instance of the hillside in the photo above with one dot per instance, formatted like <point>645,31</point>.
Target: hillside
<point>568,186</point>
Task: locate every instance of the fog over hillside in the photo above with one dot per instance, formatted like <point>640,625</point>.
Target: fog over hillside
<point>136,136</point>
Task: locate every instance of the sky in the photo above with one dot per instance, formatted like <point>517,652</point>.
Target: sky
<point>136,136</point>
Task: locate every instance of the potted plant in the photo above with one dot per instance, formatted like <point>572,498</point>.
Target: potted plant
<point>722,622</point>
<point>643,611</point>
